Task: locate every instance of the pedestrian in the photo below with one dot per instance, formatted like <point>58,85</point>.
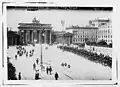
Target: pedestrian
<point>65,64</point>
<point>68,66</point>
<point>62,64</point>
<point>56,76</point>
<point>47,70</point>
<point>16,57</point>
<point>36,76</point>
<point>37,61</point>
<point>34,66</point>
<point>19,76</point>
<point>50,69</point>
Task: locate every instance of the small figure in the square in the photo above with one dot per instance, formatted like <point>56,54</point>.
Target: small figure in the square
<point>62,64</point>
<point>50,69</point>
<point>37,61</point>
<point>34,66</point>
<point>68,66</point>
<point>65,64</point>
<point>36,76</point>
<point>47,70</point>
<point>16,57</point>
<point>56,76</point>
<point>19,76</point>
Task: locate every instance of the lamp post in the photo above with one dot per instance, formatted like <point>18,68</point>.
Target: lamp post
<point>41,50</point>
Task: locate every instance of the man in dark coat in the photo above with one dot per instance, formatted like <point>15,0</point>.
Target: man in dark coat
<point>47,70</point>
<point>36,76</point>
<point>34,66</point>
<point>19,76</point>
<point>16,57</point>
<point>50,69</point>
<point>56,76</point>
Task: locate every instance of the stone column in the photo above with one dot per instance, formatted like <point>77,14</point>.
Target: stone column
<point>40,36</point>
<point>50,37</point>
<point>37,36</point>
<point>26,37</point>
<point>12,41</point>
<point>15,40</point>
<point>32,36</point>
<point>45,37</point>
<point>20,36</point>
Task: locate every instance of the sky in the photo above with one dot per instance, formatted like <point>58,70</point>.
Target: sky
<point>54,17</point>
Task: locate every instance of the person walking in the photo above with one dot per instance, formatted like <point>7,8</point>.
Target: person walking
<point>50,69</point>
<point>65,64</point>
<point>69,66</point>
<point>37,61</point>
<point>56,76</point>
<point>34,66</point>
<point>19,76</point>
<point>62,64</point>
<point>36,76</point>
<point>47,70</point>
<point>16,57</point>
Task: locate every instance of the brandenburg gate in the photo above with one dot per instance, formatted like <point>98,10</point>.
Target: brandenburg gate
<point>35,32</point>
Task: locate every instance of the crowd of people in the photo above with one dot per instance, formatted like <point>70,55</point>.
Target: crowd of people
<point>97,58</point>
<point>21,51</point>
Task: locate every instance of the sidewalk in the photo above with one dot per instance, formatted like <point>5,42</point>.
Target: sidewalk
<point>62,75</point>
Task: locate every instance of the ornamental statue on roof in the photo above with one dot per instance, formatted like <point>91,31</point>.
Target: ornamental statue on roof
<point>35,20</point>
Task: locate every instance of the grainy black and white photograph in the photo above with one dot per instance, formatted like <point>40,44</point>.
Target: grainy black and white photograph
<point>59,43</point>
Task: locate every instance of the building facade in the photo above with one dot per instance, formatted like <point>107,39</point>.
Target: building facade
<point>67,38</point>
<point>13,38</point>
<point>105,29</point>
<point>35,32</point>
<point>63,37</point>
<point>83,34</point>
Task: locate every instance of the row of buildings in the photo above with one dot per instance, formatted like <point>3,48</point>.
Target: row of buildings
<point>97,30</point>
<point>36,32</point>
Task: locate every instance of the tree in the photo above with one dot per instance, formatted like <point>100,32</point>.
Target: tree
<point>102,43</point>
<point>88,42</point>
<point>110,45</point>
<point>11,71</point>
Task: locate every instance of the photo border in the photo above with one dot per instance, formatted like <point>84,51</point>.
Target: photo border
<point>24,82</point>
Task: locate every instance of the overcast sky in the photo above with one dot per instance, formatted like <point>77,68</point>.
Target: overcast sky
<point>54,17</point>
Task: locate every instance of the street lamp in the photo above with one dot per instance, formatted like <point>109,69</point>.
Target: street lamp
<point>41,50</point>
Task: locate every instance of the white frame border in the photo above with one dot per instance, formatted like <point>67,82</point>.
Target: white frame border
<point>82,82</point>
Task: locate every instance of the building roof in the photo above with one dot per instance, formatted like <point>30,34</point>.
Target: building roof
<point>68,34</point>
<point>12,33</point>
<point>101,20</point>
<point>81,27</point>
<point>34,25</point>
